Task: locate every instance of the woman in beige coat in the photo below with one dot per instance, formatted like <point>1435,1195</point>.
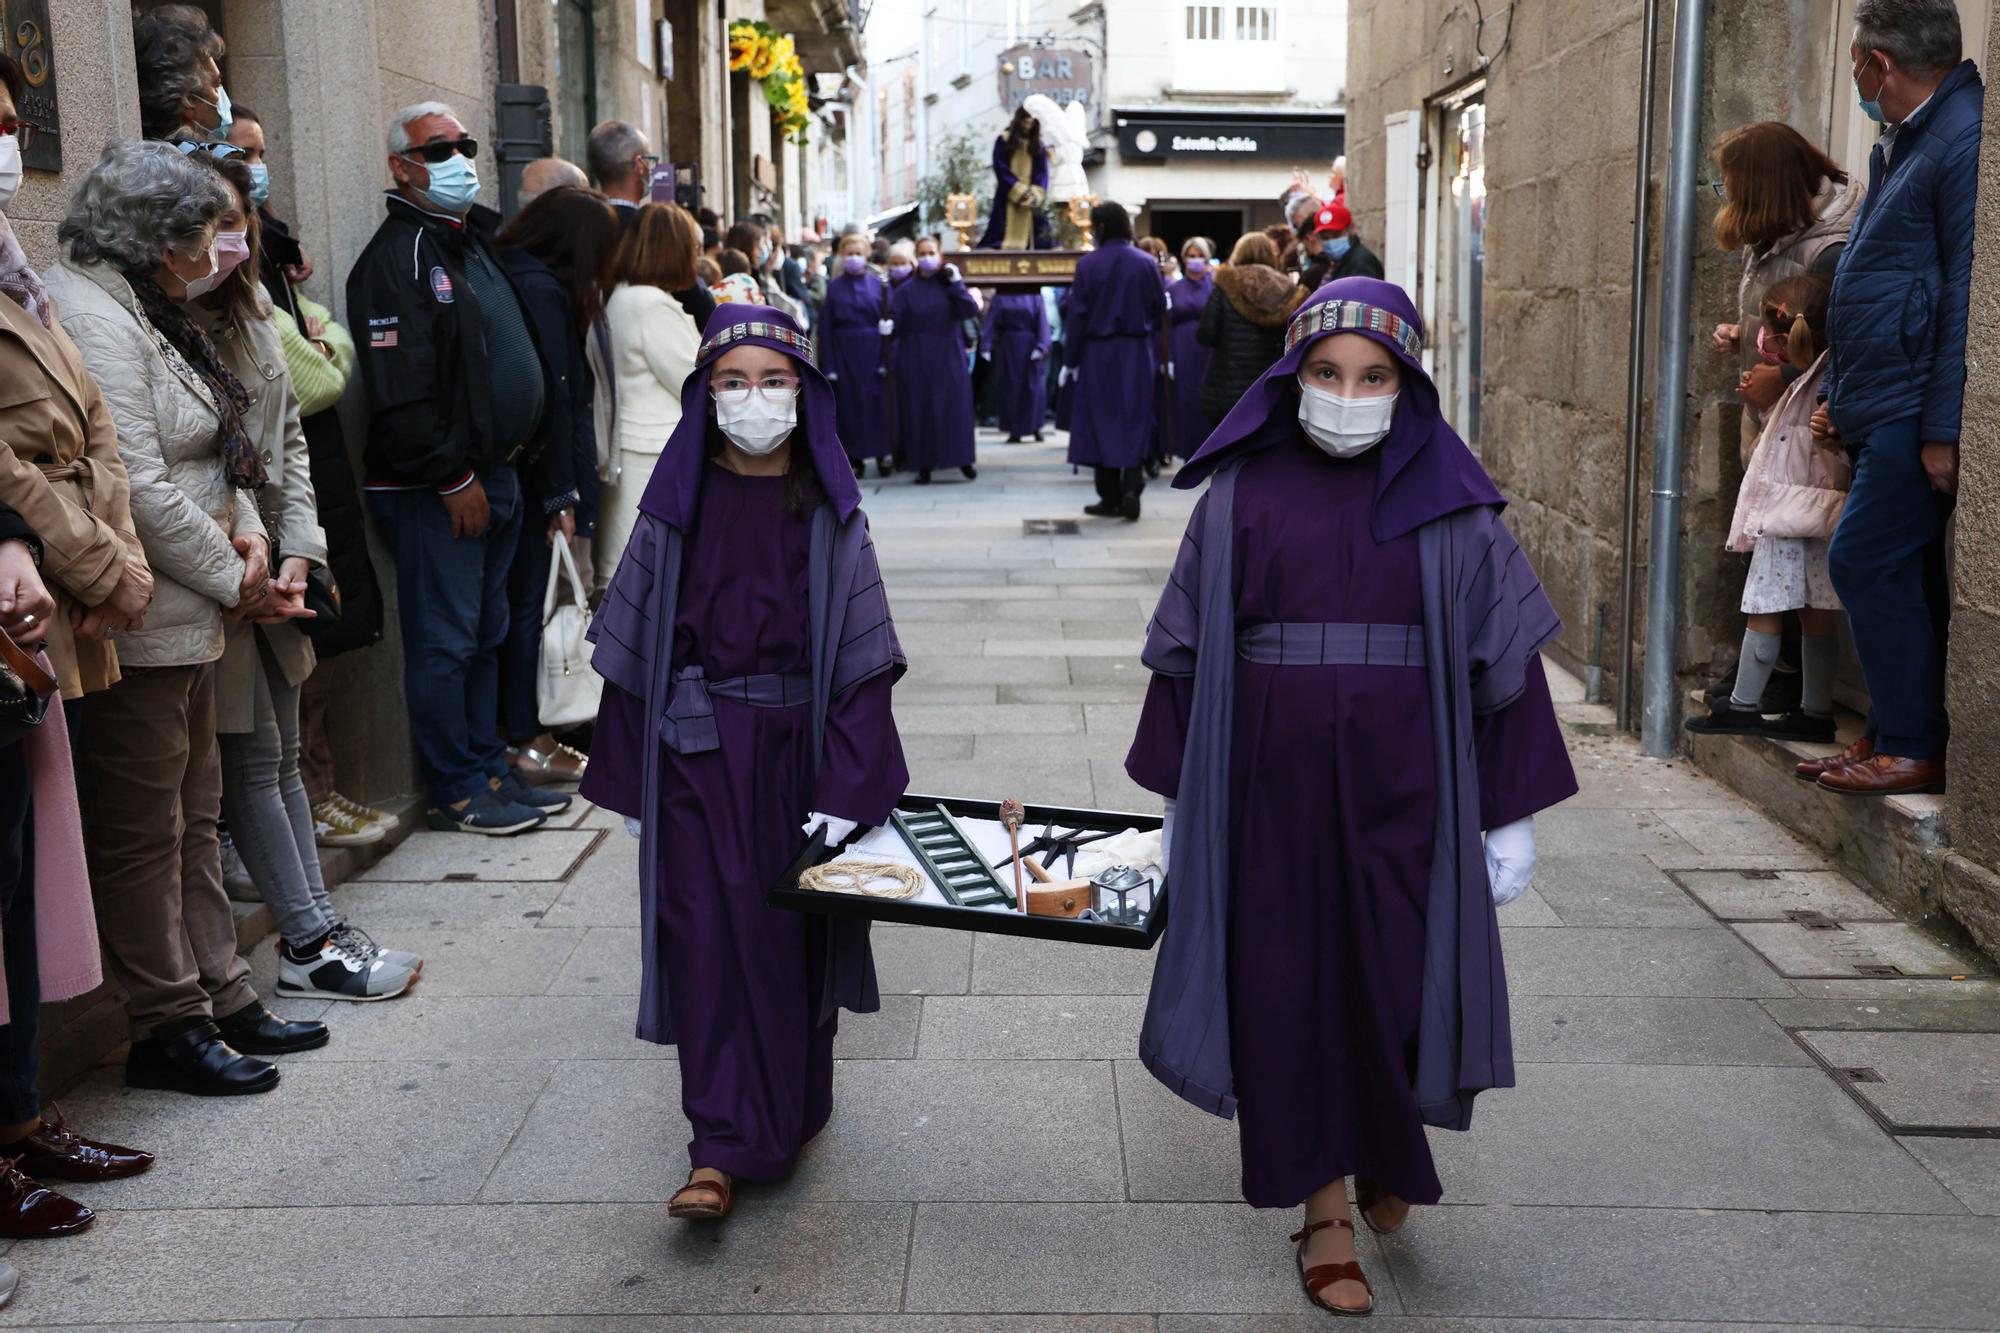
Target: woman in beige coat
<point>266,659</point>
<point>139,237</point>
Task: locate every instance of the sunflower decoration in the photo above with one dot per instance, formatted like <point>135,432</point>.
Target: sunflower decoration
<point>772,59</point>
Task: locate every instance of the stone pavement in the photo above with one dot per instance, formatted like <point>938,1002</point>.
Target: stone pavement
<point>494,1150</point>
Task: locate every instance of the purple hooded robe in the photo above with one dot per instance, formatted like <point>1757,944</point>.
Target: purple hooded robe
<point>857,363</point>
<point>1016,335</point>
<point>748,655</point>
<point>1111,334</point>
<point>1346,692</point>
<point>933,383</point>
<point>1004,181</point>
<point>1188,298</point>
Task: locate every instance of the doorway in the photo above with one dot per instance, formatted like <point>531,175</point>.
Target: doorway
<point>1458,248</point>
<point>1220,225</point>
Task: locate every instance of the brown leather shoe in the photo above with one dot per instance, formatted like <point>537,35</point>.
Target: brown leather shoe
<point>30,1210</point>
<point>1885,775</point>
<point>1810,769</point>
<point>57,1152</point>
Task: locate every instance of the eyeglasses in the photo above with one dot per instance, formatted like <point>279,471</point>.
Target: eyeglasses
<point>443,150</point>
<point>215,148</point>
<point>736,388</point>
<point>1720,193</point>
<point>23,132</point>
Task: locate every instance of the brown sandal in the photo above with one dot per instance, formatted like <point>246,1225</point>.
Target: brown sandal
<point>701,1209</point>
<point>1366,1195</point>
<point>1321,1276</point>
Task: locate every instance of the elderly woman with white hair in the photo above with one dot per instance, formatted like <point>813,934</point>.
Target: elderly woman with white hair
<point>140,239</point>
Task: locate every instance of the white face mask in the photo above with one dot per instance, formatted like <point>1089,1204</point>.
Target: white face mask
<point>204,284</point>
<point>758,422</point>
<point>10,169</point>
<point>1345,427</point>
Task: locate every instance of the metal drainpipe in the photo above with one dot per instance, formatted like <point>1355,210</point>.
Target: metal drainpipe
<point>1635,377</point>
<point>507,30</point>
<point>1660,726</point>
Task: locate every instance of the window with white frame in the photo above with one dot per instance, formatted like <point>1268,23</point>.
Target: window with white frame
<point>1229,48</point>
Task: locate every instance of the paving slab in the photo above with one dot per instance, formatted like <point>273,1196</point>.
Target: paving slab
<point>1640,1030</point>
<point>1108,671</point>
<point>888,1034</point>
<point>1969,1168</point>
<point>667,1323</point>
<point>428,1026</point>
<point>1800,951</point>
<point>1316,1323</point>
<point>1625,890</point>
<point>560,1153</point>
<point>1945,1079</point>
<point>1681,1137</point>
<point>383,909</point>
<point>1529,911</point>
<point>1109,1257</point>
<point>1050,780</point>
<point>1636,961</point>
<point>964,669</point>
<point>428,858</point>
<point>1030,1027</point>
<point>1764,1270</point>
<point>595,897</point>
<point>605,962</point>
<point>459,961</point>
<point>1004,965</point>
<point>1000,719</point>
<point>317,1137</point>
<point>524,1259</point>
<point>1735,896</point>
<point>1174,1152</point>
<point>1114,790</point>
<point>917,960</point>
<point>1923,1004</point>
<point>1579,832</point>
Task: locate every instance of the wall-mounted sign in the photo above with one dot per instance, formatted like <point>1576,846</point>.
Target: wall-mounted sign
<point>24,26</point>
<point>1145,136</point>
<point>1063,76</point>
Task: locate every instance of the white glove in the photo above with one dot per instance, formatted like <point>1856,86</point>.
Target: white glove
<point>951,272</point>
<point>1064,376</point>
<point>1510,860</point>
<point>632,826</point>
<point>1167,837</point>
<point>885,327</point>
<point>1170,370</point>
<point>1035,355</point>
<point>986,356</point>
<point>838,830</point>
<point>833,377</point>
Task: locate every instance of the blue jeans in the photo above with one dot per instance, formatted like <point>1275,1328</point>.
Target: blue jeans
<point>451,595</point>
<point>20,1037</point>
<point>1888,565</point>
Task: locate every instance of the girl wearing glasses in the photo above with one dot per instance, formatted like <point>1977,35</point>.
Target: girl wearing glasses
<point>748,656</point>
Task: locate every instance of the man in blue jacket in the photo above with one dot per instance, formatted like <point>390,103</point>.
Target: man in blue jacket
<point>1897,383</point>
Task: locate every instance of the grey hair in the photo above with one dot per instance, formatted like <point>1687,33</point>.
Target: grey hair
<point>399,124</point>
<point>168,44</point>
<point>1920,35</point>
<point>611,148</point>
<point>141,196</point>
<point>906,248</point>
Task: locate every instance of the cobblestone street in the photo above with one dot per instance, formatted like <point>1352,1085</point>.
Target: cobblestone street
<point>1685,1148</point>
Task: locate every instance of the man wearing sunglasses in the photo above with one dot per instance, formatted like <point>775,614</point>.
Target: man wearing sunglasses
<point>456,393</point>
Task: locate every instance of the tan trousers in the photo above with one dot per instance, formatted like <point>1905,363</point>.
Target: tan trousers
<point>149,777</point>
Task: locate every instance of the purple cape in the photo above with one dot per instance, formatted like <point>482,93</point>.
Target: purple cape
<point>1485,618</point>
<point>853,638</point>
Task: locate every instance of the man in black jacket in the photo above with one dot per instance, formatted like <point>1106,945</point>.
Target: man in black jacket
<point>457,393</point>
<point>1333,251</point>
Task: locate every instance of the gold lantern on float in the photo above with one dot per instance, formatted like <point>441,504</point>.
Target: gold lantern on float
<point>961,214</point>
<point>1079,217</point>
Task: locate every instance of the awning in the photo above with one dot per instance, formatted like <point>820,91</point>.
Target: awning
<point>889,217</point>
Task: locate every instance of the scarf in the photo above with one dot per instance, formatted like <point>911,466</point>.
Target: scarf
<point>17,279</point>
<point>239,451</point>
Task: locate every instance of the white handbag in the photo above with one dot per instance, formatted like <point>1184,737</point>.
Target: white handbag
<point>567,690</point>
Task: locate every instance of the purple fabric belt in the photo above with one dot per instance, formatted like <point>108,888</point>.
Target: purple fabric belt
<point>1273,644</point>
<point>688,726</point>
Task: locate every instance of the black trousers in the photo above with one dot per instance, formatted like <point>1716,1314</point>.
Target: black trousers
<point>1114,484</point>
<point>20,1037</point>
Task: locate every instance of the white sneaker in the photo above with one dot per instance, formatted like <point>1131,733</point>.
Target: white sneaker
<point>340,971</point>
<point>236,881</point>
<point>358,939</point>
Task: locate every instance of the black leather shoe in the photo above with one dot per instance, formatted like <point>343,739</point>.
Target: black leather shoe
<point>1104,509</point>
<point>969,472</point>
<point>193,1058</point>
<point>255,1030</point>
<point>57,1152</point>
<point>1129,509</point>
<point>30,1210</point>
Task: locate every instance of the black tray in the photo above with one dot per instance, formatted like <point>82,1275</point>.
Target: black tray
<point>787,893</point>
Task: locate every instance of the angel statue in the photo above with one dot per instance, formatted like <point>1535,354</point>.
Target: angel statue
<point>1022,170</point>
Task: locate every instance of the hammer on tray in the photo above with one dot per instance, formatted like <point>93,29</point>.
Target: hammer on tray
<point>1012,815</point>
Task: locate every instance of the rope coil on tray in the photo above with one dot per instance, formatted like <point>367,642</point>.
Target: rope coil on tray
<point>858,877</point>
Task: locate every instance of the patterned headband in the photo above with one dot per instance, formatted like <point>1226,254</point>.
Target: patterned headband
<point>779,333</point>
<point>1354,317</point>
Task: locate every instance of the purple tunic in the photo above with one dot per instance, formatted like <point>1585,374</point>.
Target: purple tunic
<point>1004,181</point>
<point>1327,934</point>
<point>853,357</point>
<point>1016,336</point>
<point>1188,297</point>
<point>745,1003</point>
<point>1111,344</point>
<point>933,384</point>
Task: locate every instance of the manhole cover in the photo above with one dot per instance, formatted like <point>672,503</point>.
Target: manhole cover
<point>1049,527</point>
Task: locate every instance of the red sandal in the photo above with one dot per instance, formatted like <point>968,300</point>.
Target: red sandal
<point>701,1209</point>
<point>1321,1276</point>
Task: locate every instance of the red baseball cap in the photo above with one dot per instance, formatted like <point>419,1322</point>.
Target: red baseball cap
<point>1334,217</point>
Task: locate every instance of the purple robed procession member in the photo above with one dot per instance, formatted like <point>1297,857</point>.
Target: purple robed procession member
<point>1187,298</point>
<point>933,383</point>
<point>748,653</point>
<point>1016,337</point>
<point>853,356</point>
<point>1347,691</point>
<point>1111,346</point>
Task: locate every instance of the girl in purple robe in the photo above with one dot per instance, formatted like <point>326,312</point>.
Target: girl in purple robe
<point>1111,335</point>
<point>748,655</point>
<point>1187,298</point>
<point>854,328</point>
<point>933,381</point>
<point>1015,338</point>
<point>1347,692</point>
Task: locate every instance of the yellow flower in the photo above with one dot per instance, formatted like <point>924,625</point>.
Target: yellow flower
<point>783,49</point>
<point>762,60</point>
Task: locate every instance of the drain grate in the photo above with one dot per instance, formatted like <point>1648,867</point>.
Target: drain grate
<point>1878,970</point>
<point>1758,874</point>
<point>1812,920</point>
<point>1860,1074</point>
<point>1049,527</point>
